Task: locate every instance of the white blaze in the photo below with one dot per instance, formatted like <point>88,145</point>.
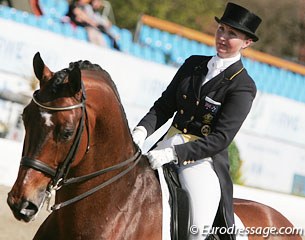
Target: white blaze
<point>47,117</point>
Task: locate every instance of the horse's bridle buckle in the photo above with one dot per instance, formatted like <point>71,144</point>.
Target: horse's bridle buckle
<point>57,185</point>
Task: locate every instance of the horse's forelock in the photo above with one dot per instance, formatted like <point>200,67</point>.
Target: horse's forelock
<point>85,65</point>
<point>59,79</point>
<point>60,76</point>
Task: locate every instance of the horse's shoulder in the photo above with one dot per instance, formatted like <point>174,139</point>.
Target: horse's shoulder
<point>44,230</point>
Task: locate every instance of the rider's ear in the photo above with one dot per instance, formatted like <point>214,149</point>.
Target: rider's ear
<point>75,79</point>
<point>42,72</point>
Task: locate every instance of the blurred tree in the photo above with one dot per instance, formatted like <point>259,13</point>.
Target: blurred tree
<point>197,15</point>
<point>282,32</point>
<point>302,31</point>
<point>235,164</point>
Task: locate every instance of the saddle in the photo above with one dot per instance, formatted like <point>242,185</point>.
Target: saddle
<point>179,202</point>
<point>180,205</point>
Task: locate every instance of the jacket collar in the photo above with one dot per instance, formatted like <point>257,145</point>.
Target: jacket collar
<point>220,64</point>
<point>224,78</point>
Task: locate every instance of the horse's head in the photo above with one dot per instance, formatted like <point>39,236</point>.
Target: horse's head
<point>53,122</point>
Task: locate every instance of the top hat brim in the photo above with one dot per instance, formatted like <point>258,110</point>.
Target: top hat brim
<point>238,27</point>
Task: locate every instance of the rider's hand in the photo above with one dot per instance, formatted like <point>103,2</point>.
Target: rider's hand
<point>158,158</point>
<point>139,135</point>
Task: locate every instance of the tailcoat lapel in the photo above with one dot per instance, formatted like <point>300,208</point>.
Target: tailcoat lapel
<point>222,79</point>
<point>198,76</point>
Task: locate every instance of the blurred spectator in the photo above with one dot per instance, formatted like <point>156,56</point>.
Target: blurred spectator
<point>6,2</point>
<point>87,13</point>
<point>3,129</point>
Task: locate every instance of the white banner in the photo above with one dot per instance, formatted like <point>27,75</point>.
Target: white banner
<point>272,143</point>
<point>279,118</point>
<point>269,164</point>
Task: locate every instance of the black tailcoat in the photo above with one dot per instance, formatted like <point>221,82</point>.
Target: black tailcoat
<point>214,112</point>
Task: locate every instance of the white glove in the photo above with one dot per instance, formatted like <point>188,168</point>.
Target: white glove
<point>139,135</point>
<point>158,158</point>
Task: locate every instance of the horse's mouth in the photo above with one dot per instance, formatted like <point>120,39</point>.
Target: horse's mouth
<point>26,211</point>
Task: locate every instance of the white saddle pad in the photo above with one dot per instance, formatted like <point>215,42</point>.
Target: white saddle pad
<point>239,225</point>
<point>166,216</point>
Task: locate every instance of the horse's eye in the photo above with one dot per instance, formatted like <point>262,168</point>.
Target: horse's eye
<point>66,134</point>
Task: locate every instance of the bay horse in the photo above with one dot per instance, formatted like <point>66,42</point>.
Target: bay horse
<point>78,144</point>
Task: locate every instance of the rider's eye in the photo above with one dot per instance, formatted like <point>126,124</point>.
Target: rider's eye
<point>232,34</point>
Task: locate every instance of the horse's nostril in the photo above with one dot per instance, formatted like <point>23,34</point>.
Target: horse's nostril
<point>28,209</point>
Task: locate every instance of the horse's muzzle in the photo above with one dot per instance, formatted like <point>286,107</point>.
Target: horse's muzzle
<point>24,210</point>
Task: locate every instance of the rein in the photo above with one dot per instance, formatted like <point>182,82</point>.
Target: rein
<point>135,159</point>
<point>59,175</point>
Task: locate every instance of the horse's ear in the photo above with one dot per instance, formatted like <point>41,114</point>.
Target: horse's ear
<point>42,72</point>
<point>75,78</point>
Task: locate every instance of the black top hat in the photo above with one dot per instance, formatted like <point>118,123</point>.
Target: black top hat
<point>241,19</point>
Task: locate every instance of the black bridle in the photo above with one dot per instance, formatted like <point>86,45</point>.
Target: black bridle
<point>58,176</point>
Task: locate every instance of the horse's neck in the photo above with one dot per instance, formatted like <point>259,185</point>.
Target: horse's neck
<point>103,153</point>
<point>110,144</point>
<point>109,127</point>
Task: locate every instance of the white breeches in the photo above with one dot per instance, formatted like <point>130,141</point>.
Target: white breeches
<point>201,182</point>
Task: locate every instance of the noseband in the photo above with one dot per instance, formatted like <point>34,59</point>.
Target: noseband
<point>58,176</point>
